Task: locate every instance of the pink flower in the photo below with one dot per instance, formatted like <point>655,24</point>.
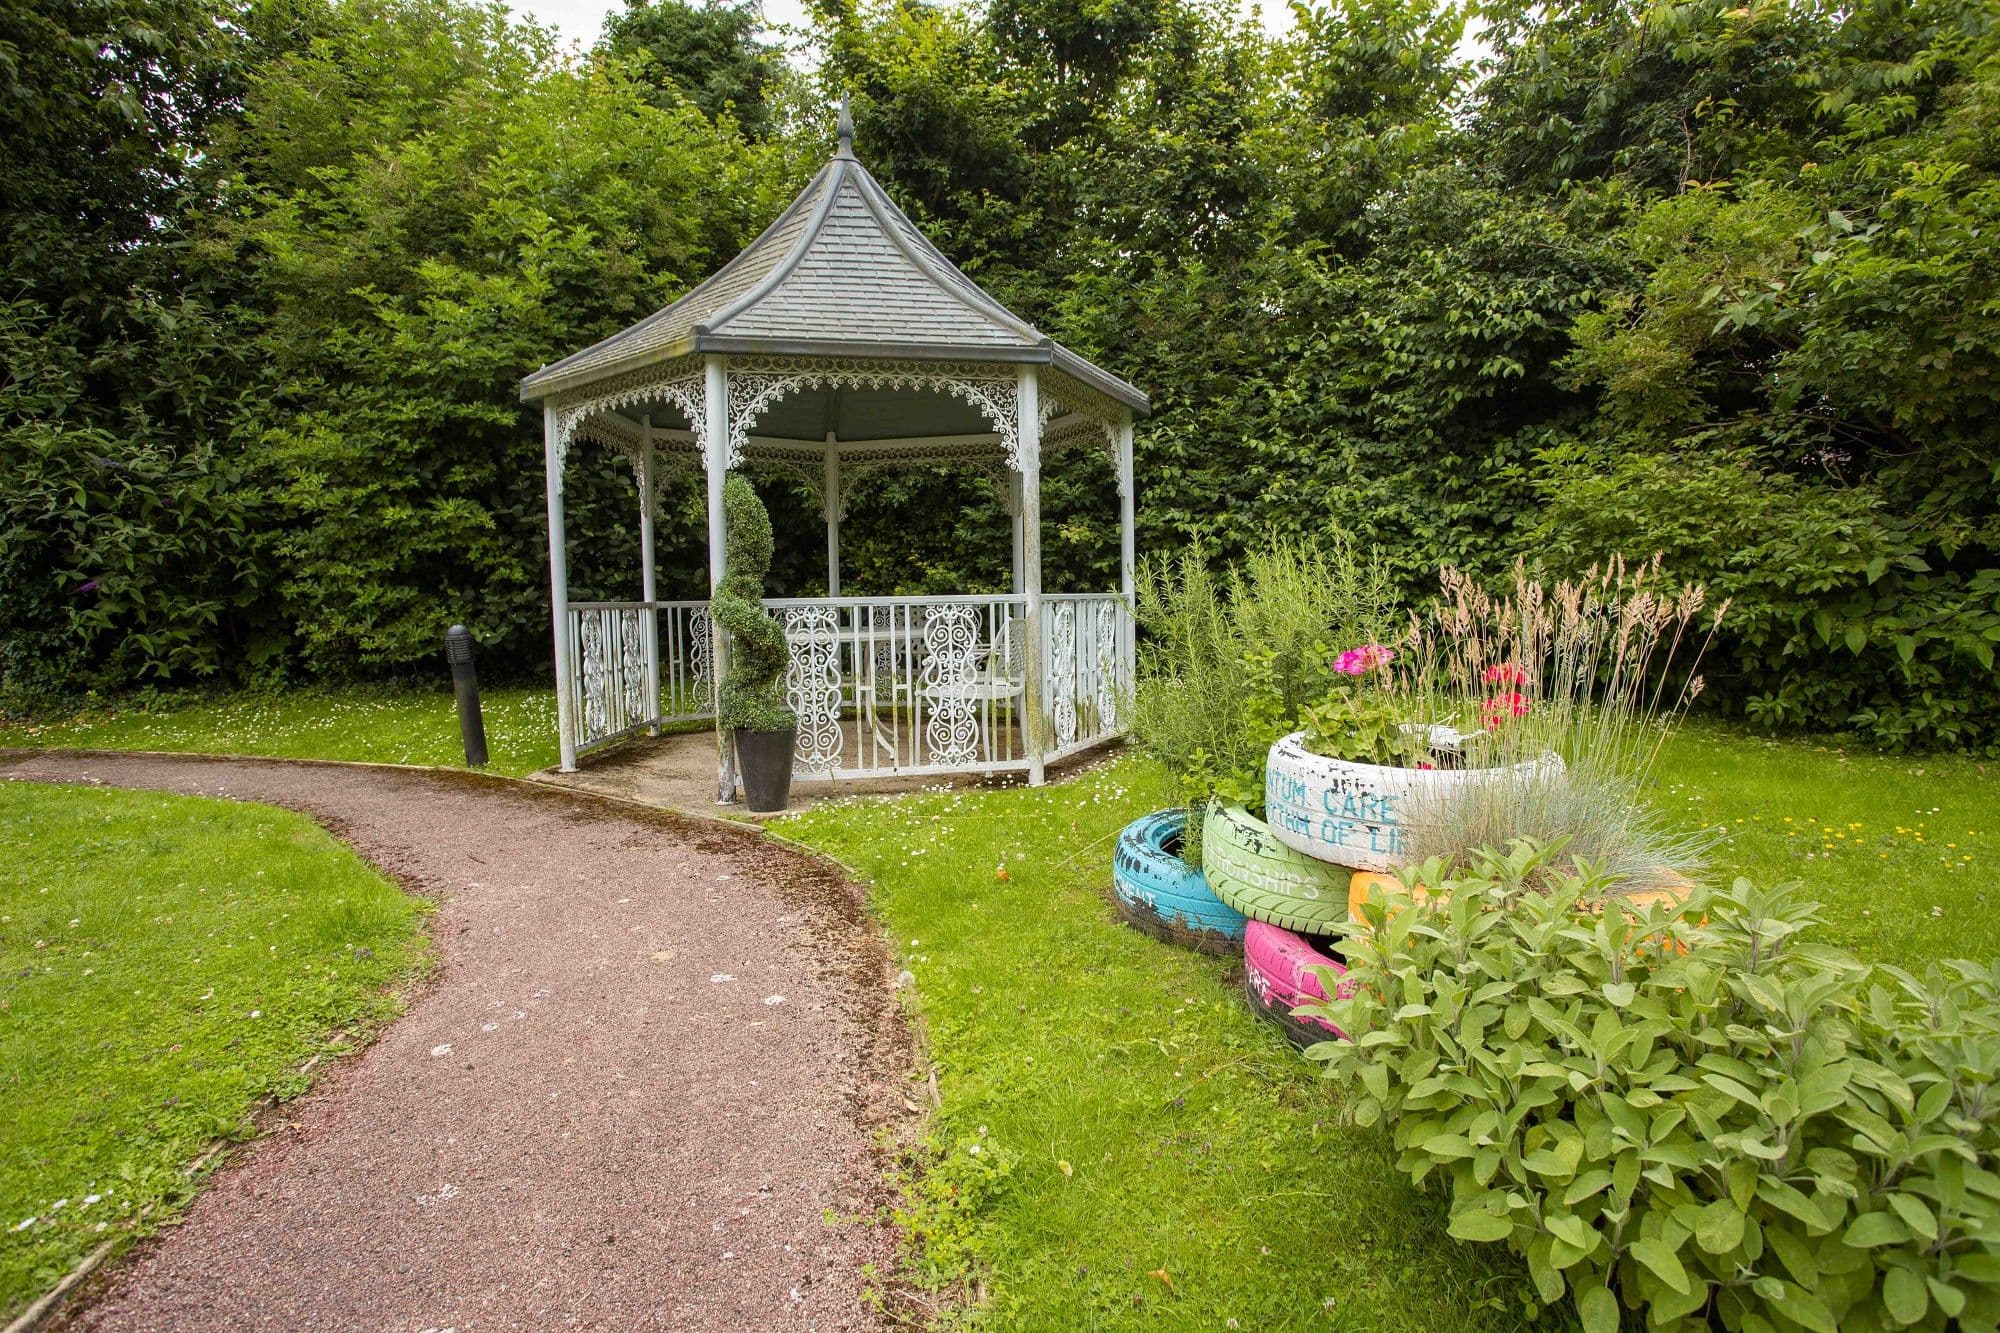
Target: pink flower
<point>1505,675</point>
<point>1359,661</point>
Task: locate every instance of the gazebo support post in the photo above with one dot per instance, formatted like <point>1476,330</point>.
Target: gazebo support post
<point>715,411</point>
<point>830,492</point>
<point>552,461</point>
<point>1028,419</point>
<point>1014,527</point>
<point>647,586</point>
<point>1128,545</point>
<point>1127,533</point>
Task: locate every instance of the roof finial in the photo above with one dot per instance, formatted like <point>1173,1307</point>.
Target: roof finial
<point>845,130</point>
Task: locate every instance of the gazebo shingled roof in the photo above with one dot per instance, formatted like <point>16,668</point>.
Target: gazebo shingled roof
<point>842,272</point>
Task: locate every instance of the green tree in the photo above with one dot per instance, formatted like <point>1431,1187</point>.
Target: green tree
<point>1798,383</point>
<point>126,537</point>
<point>708,54</point>
<point>431,210</point>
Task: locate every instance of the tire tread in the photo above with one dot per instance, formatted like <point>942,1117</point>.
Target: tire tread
<point>1296,892</point>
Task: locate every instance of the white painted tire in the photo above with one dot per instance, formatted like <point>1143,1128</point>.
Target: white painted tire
<point>1352,814</point>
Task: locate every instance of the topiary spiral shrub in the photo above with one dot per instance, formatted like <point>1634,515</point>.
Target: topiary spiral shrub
<point>753,687</point>
<point>1691,1111</point>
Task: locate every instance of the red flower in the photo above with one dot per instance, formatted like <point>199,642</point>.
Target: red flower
<point>1503,674</point>
<point>1501,707</point>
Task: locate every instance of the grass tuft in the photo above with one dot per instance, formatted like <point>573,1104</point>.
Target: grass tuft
<point>1902,849</point>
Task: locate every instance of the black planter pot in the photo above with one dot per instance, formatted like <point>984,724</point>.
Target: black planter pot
<point>764,758</point>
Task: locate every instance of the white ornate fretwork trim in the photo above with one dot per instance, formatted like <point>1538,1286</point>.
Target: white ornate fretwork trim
<point>589,411</point>
<point>755,384</point>
<point>812,686</point>
<point>1087,431</point>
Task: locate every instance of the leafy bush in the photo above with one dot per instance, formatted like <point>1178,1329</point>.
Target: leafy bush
<point>1692,1110</point>
<point>124,559</point>
<point>752,694</point>
<point>1230,663</point>
<point>1839,617</point>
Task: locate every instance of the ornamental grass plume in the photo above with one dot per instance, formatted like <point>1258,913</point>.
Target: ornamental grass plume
<point>1596,672</point>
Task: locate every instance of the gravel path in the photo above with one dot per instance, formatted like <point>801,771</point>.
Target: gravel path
<point>640,1092</point>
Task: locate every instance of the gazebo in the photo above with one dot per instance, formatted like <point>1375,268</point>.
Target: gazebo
<point>841,342</point>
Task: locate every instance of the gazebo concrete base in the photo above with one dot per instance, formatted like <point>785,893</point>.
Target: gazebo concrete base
<point>678,773</point>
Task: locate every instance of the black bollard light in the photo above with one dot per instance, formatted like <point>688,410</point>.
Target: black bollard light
<point>465,688</point>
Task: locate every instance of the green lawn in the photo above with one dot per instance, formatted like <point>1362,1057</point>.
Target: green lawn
<point>1903,851</point>
<point>1196,1144</point>
<point>383,724</point>
<point>1148,1153</point>
<point>165,962</point>
<point>1121,1144</point>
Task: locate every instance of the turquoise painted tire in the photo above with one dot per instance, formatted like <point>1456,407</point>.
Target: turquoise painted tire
<point>1253,872</point>
<point>1165,896</point>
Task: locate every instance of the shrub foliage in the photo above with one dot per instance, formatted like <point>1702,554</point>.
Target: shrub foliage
<point>1692,1111</point>
<point>1693,276</point>
<point>1232,661</point>
<point>752,693</point>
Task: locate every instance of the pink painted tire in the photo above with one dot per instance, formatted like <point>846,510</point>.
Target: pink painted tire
<point>1278,977</point>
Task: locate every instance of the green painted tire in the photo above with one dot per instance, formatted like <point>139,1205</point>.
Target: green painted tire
<point>1259,876</point>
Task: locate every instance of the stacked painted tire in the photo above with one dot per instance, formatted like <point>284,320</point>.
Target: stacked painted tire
<point>1349,814</point>
<point>1280,973</point>
<point>1165,896</point>
<point>1259,876</point>
<point>1287,897</point>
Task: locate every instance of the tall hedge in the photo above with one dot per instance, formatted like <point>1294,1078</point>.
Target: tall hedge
<point>1704,278</point>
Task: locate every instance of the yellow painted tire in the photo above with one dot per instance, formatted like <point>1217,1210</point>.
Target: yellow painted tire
<point>1364,882</point>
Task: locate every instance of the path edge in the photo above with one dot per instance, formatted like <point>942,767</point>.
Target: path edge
<point>43,1308</point>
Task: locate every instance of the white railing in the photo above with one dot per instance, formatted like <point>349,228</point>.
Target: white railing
<point>906,685</point>
<point>613,689</point>
<point>687,659</point>
<point>1088,666</point>
<point>883,686</point>
<point>613,693</point>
